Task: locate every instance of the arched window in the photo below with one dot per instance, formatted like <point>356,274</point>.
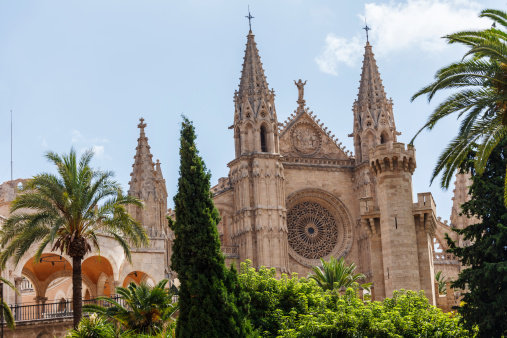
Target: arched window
<point>264,146</point>
<point>384,138</point>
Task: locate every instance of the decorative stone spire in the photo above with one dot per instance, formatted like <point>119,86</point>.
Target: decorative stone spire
<point>253,92</point>
<point>143,173</point>
<point>461,187</point>
<point>373,112</point>
<point>148,184</point>
<point>254,107</point>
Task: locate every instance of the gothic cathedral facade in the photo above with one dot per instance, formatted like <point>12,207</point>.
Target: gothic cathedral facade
<point>295,195</point>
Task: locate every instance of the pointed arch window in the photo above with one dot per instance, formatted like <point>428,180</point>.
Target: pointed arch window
<point>264,146</point>
<point>384,138</point>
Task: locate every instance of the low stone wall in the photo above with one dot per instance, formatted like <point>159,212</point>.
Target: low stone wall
<point>447,301</point>
<point>40,329</point>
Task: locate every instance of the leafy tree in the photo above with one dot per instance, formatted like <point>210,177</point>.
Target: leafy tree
<point>481,99</point>
<point>146,309</point>
<point>442,289</point>
<point>207,307</point>
<point>68,211</point>
<point>485,277</point>
<point>336,274</point>
<point>298,307</point>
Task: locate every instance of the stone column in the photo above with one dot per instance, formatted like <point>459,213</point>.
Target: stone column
<point>17,295</point>
<point>41,302</point>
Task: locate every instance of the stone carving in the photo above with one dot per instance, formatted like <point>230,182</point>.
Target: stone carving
<point>323,213</point>
<point>301,89</point>
<point>306,140</point>
<point>312,230</point>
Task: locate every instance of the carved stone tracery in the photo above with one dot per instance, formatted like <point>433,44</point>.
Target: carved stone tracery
<point>319,226</point>
<point>312,230</point>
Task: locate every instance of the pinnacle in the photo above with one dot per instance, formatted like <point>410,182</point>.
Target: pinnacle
<point>371,89</point>
<point>143,169</point>
<point>253,85</point>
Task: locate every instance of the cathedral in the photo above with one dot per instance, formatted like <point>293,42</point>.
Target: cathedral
<point>293,195</point>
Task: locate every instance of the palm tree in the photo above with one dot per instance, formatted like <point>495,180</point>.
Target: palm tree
<point>335,275</point>
<point>7,314</point>
<point>68,211</point>
<point>441,283</point>
<point>146,309</point>
<point>481,99</point>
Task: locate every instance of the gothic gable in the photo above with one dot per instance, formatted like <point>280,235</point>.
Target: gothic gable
<point>303,136</point>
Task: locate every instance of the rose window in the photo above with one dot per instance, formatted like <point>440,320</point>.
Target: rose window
<point>313,232</point>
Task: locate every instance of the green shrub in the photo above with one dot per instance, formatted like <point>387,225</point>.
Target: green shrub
<point>297,307</point>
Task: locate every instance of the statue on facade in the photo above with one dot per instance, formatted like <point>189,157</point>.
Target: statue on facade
<point>301,89</point>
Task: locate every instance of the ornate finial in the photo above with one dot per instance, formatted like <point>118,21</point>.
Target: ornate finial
<point>141,125</point>
<point>249,17</point>
<point>366,28</point>
<point>301,93</point>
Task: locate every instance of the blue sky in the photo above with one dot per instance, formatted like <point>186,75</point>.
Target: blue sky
<point>82,73</point>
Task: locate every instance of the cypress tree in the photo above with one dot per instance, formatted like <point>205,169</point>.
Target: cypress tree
<point>485,276</point>
<point>207,307</point>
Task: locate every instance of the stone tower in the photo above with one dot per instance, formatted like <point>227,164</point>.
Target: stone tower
<point>400,230</point>
<point>373,112</point>
<point>259,223</point>
<point>461,187</point>
<point>147,184</point>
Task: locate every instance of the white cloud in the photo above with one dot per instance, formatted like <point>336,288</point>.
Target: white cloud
<point>76,136</point>
<point>403,25</point>
<point>99,151</point>
<point>85,142</point>
<point>421,24</point>
<point>338,50</point>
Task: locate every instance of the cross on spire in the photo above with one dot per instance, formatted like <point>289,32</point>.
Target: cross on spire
<point>366,28</point>
<point>141,125</point>
<point>249,17</point>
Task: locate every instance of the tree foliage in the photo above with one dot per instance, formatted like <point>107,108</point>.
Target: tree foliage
<point>294,307</point>
<point>485,277</point>
<point>142,309</point>
<point>208,293</point>
<point>7,314</point>
<point>440,279</point>
<point>480,79</point>
<point>335,274</point>
<point>67,212</point>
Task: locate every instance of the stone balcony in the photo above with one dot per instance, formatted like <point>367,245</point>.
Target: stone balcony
<point>230,251</point>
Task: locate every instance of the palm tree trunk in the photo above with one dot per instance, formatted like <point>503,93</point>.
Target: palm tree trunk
<point>77,285</point>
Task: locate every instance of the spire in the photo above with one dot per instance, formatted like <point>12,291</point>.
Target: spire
<point>143,172</point>
<point>253,89</point>
<point>148,184</point>
<point>373,112</point>
<point>371,89</point>
<point>255,123</point>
